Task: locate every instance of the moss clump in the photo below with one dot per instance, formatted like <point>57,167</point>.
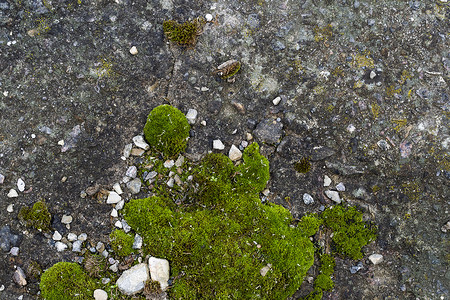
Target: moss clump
<point>350,233</point>
<point>66,280</point>
<point>218,242</point>
<point>121,242</point>
<point>167,130</point>
<point>303,165</point>
<point>183,34</point>
<point>37,217</point>
<point>309,224</point>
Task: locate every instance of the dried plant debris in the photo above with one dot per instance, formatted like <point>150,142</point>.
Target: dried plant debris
<point>228,69</point>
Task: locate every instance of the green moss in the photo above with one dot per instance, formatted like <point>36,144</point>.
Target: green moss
<point>183,34</point>
<point>323,282</point>
<point>121,242</point>
<point>227,235</point>
<point>315,295</point>
<point>253,173</point>
<point>327,264</point>
<point>66,280</point>
<point>167,130</point>
<point>309,224</point>
<point>303,165</point>
<point>37,217</point>
<point>350,233</point>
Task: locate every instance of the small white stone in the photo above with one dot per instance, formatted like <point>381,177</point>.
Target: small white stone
<point>12,193</point>
<point>140,142</point>
<point>127,150</point>
<point>137,244</point>
<point>203,123</point>
<point>72,237</point>
<point>170,182</point>
<point>2,288</point>
<point>333,195</point>
<point>82,237</point>
<point>118,224</point>
<point>266,192</point>
<point>20,185</point>
<point>120,204</point>
<point>372,74</point>
<point>76,246</point>
<point>114,213</point>
<point>326,181</point>
<point>265,269</point>
<point>169,164</point>
<point>351,128</point>
<point>14,251</point>
<point>19,277</point>
<point>249,136</point>
<point>191,116</point>
<point>66,219</point>
<point>100,295</point>
<point>57,236</point>
<point>204,89</point>
<point>133,280</point>
<point>235,153</point>
<point>217,144</point>
<point>117,188</point>
<point>208,17</point>
<point>61,142</point>
<point>114,267</point>
<point>134,50</point>
<point>113,198</point>
<point>159,271</point>
<point>180,161</point>
<point>60,246</point>
<point>10,208</point>
<point>376,258</point>
<point>2,178</point>
<point>131,172</point>
<point>340,187</point>
<point>308,199</point>
<point>276,101</point>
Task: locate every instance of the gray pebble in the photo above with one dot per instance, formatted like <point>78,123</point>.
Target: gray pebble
<point>14,251</point>
<point>354,269</point>
<point>76,246</point>
<point>307,199</point>
<point>137,244</point>
<point>340,187</point>
<point>8,239</point>
<point>2,178</point>
<point>19,277</point>
<point>82,237</point>
<point>131,172</point>
<point>125,226</point>
<point>134,185</point>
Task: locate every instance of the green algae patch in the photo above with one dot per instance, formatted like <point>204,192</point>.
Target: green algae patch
<point>221,241</point>
<point>167,130</point>
<point>183,34</point>
<point>350,232</point>
<point>37,216</point>
<point>66,280</point>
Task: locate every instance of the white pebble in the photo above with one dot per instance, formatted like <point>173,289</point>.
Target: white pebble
<point>326,181</point>
<point>100,295</point>
<point>10,208</point>
<point>14,251</point>
<point>57,236</point>
<point>127,150</point>
<point>76,246</point>
<point>120,204</point>
<point>113,198</point>
<point>180,161</point>
<point>170,182</point>
<point>217,144</point>
<point>60,246</point>
<point>117,188</point>
<point>235,153</point>
<point>307,199</point>
<point>66,219</point>
<point>20,185</point>
<point>72,237</point>
<point>61,142</point>
<point>169,164</point>
<point>118,224</point>
<point>203,123</point>
<point>131,172</point>
<point>376,258</point>
<point>12,193</point>
<point>372,74</point>
<point>133,50</point>
<point>137,244</point>
<point>140,142</point>
<point>82,237</point>
<point>191,116</point>
<point>2,178</point>
<point>276,101</point>
<point>204,89</point>
<point>340,187</point>
<point>333,195</point>
<point>208,17</point>
<point>114,213</point>
<point>351,128</point>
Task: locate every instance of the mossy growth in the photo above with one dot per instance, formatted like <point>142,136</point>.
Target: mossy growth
<point>183,34</point>
<point>303,165</point>
<point>65,280</point>
<point>218,242</point>
<point>350,232</point>
<point>167,130</point>
<point>309,224</point>
<point>121,242</point>
<point>37,216</point>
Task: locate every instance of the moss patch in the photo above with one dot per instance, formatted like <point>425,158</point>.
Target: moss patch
<point>66,280</point>
<point>350,233</point>
<point>220,238</point>
<point>167,130</point>
<point>183,34</point>
<point>121,242</point>
<point>37,217</point>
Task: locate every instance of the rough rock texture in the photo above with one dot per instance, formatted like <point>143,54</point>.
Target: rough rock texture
<point>159,271</point>
<point>133,280</point>
<point>349,74</point>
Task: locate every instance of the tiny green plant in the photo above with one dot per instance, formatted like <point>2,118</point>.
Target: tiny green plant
<point>37,216</point>
<point>121,242</point>
<point>184,34</point>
